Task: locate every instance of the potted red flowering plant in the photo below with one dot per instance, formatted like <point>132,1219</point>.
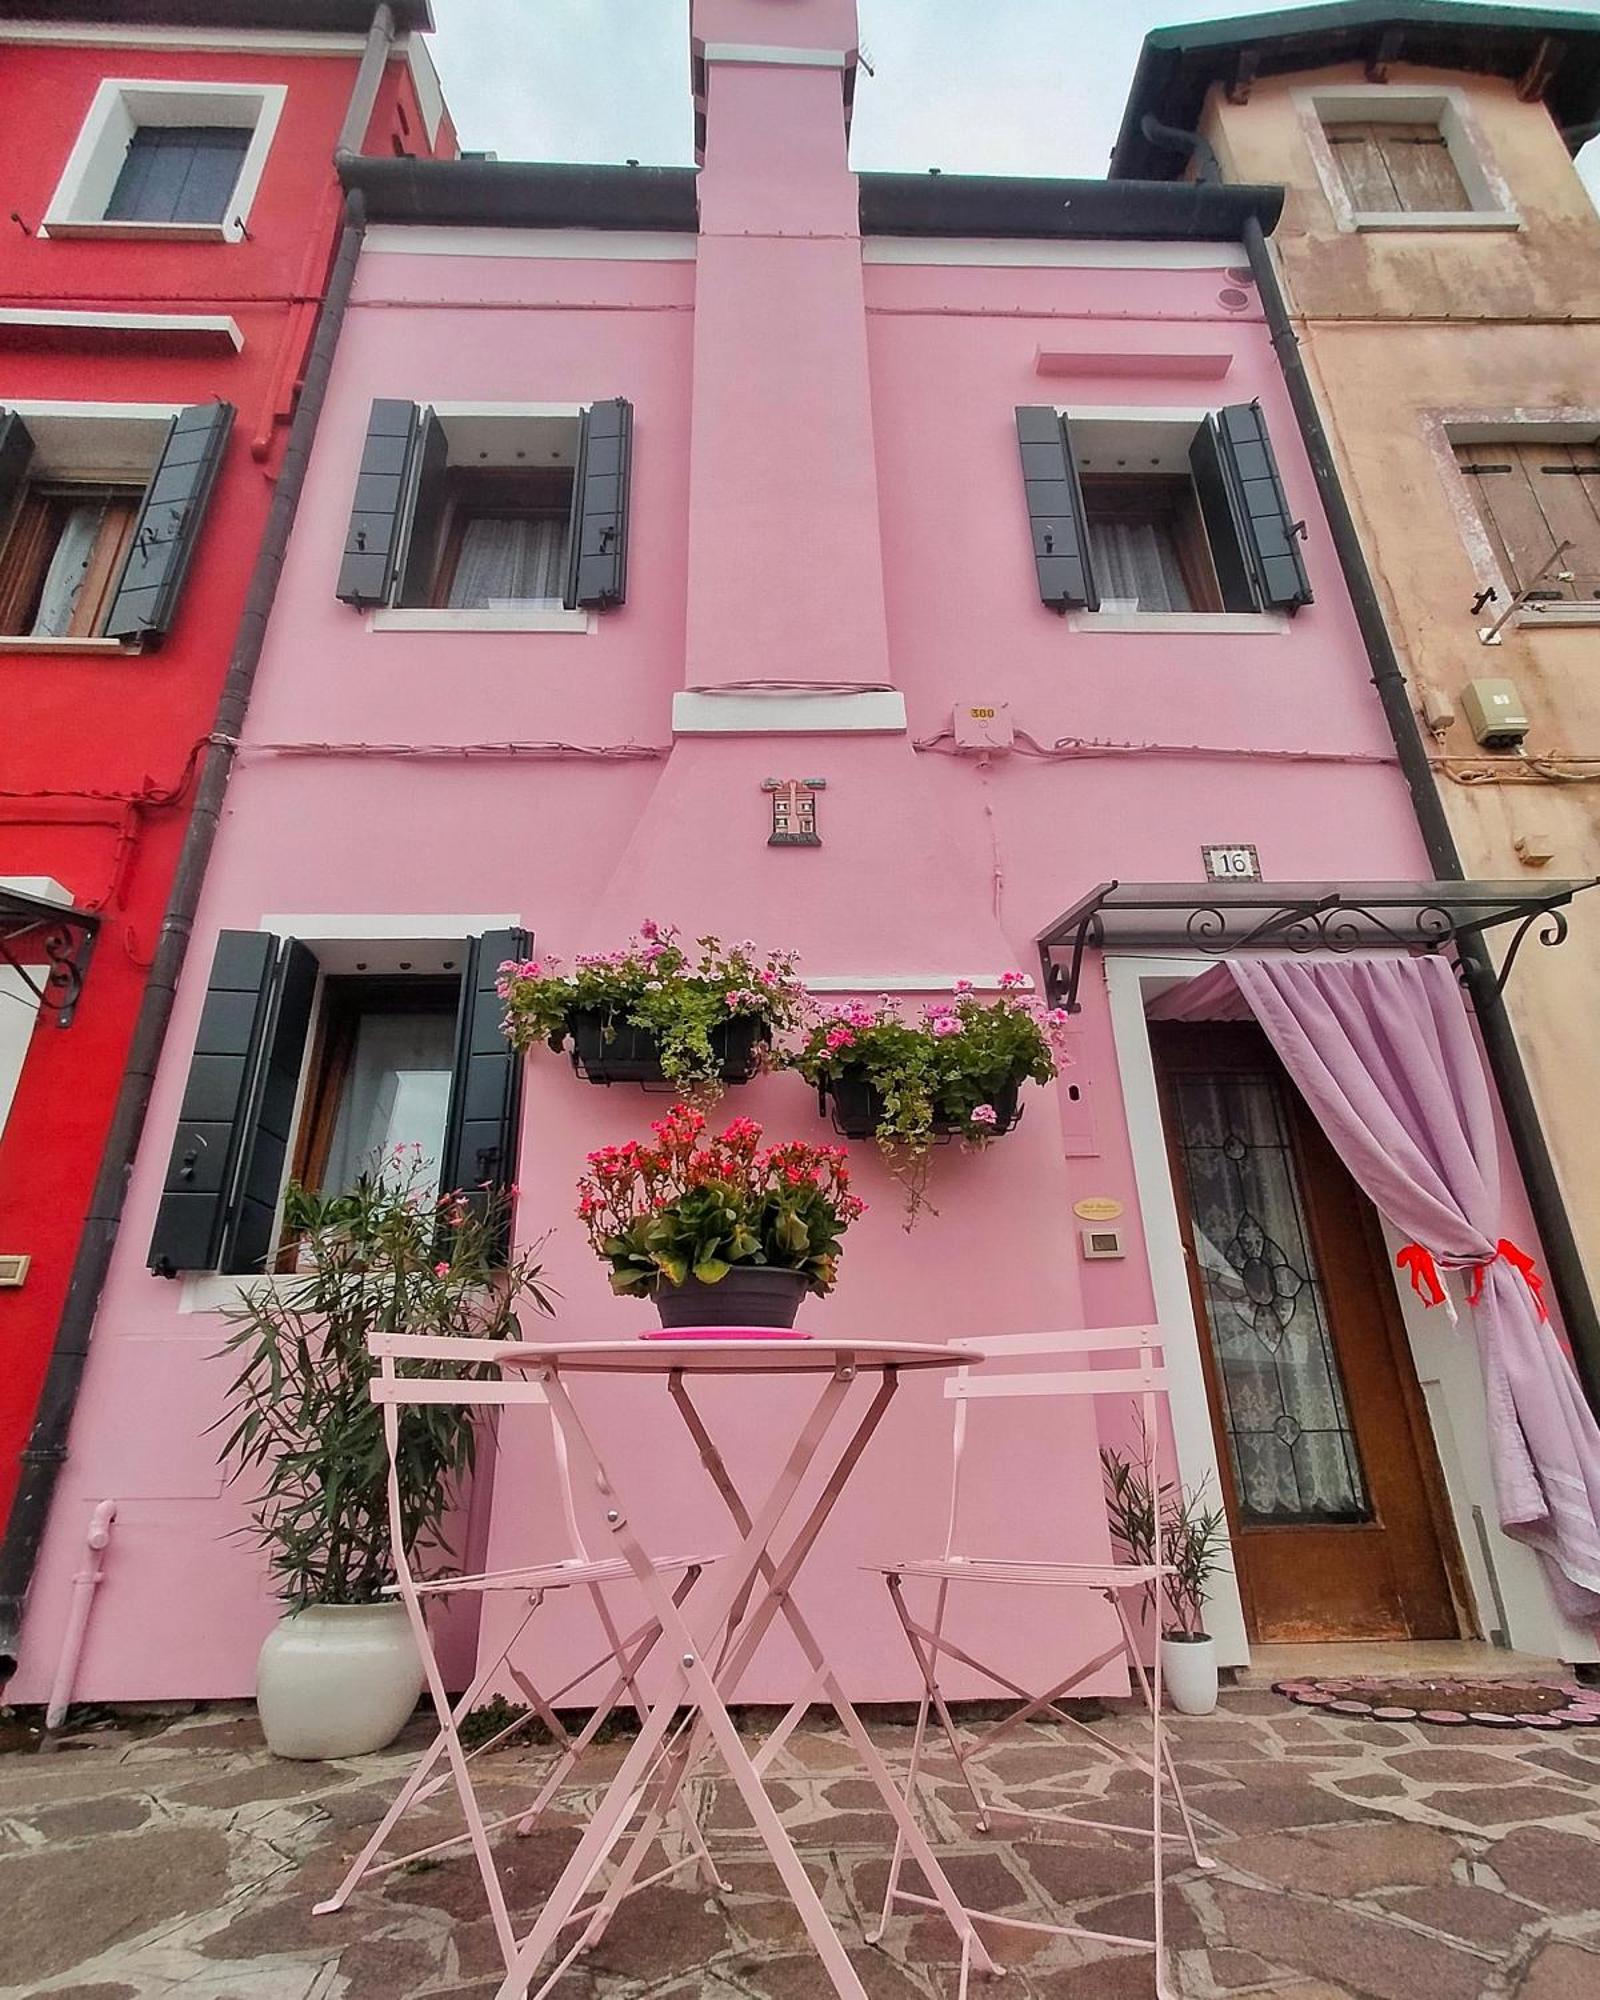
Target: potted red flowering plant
<point>718,1231</point>
<point>656,1010</point>
<point>957,1071</point>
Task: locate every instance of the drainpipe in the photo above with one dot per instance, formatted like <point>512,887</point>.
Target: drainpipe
<point>46,1449</point>
<point>1567,1275</point>
<point>84,1586</point>
<point>369,76</point>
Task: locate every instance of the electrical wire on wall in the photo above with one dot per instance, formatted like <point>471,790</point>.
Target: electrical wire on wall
<point>1067,747</point>
<point>628,753</point>
<point>1527,770</point>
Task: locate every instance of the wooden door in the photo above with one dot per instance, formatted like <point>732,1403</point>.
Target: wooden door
<point>1332,1486</point>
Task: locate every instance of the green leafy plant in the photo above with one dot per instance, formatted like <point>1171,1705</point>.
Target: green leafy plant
<point>679,995</point>
<point>392,1257</point>
<point>1194,1537</point>
<point>688,1206</point>
<point>957,1068</point>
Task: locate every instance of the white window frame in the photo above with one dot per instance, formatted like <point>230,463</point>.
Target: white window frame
<point>120,107</point>
<point>1406,104</point>
<point>129,443</point>
<point>526,618</point>
<point>1448,428</point>
<point>1168,421</point>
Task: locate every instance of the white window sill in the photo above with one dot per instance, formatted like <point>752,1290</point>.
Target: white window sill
<point>1467,218</point>
<point>140,232</point>
<point>1254,624</point>
<point>20,642</point>
<point>528,619</point>
<point>216,1292</point>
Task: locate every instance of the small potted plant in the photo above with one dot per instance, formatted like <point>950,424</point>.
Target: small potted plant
<point>718,1231</point>
<point>958,1070</point>
<point>340,1673</point>
<point>656,1011</point>
<point>1194,1537</point>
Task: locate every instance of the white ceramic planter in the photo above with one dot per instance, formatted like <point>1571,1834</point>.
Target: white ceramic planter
<point>1189,1674</point>
<point>337,1680</point>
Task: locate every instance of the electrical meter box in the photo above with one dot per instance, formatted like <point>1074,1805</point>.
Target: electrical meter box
<point>1493,711</point>
<point>983,726</point>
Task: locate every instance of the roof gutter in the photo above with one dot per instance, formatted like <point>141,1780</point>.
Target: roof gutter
<point>46,1449</point>
<point>519,194</point>
<point>1000,205</point>
<point>1567,1274</point>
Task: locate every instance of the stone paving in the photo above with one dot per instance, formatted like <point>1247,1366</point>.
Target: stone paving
<point>1358,1859</point>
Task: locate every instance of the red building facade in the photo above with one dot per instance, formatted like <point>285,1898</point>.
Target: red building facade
<point>173,207</point>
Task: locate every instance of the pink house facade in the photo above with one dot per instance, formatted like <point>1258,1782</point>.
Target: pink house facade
<point>814,385</point>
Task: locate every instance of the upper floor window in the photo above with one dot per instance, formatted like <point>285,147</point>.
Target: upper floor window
<point>100,510</point>
<point>166,159</point>
<point>1395,156</point>
<point>178,173</point>
<point>1146,513</point>
<point>1389,168</point>
<point>513,518</point>
<point>1539,503</point>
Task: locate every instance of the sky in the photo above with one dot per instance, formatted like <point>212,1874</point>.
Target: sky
<point>971,86</point>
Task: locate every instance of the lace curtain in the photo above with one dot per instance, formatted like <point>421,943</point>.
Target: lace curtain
<point>510,559</point>
<point>396,1093</point>
<point>1136,565</point>
<point>63,580</point>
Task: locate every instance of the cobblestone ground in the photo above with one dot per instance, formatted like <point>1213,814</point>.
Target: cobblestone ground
<point>1356,1859</point>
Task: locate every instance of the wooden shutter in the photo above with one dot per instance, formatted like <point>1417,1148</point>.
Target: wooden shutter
<point>169,523</point>
<point>373,542</point>
<point>213,1116</point>
<point>1265,546</point>
<point>1533,497</point>
<point>16,452</point>
<point>597,542</point>
<point>1056,516</point>
<point>419,558</point>
<point>247,1236</point>
<point>1391,169</point>
<point>481,1129</point>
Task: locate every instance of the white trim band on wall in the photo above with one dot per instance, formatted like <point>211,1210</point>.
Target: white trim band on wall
<point>774,56</point>
<point>752,712</point>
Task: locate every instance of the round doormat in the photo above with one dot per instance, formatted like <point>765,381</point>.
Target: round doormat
<point>1449,1702</point>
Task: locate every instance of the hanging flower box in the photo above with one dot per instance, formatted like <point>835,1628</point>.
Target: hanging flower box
<point>857,1108</point>
<point>956,1072</point>
<point>693,1018</point>
<point>606,1050</point>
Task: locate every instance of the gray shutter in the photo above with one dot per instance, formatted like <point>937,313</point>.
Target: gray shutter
<point>383,495</point>
<point>1055,511</point>
<point>481,1129</point>
<point>1220,510</point>
<point>1268,534</point>
<point>418,558</point>
<point>597,542</point>
<point>247,1237</point>
<point>212,1119</point>
<point>16,451</point>
<point>169,523</point>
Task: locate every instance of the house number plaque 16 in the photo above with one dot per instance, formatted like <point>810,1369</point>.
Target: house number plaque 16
<point>1231,864</point>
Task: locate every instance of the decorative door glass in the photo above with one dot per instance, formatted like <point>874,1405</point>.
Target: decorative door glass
<point>1283,1401</point>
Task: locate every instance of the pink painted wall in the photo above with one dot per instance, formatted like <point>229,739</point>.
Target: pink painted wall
<point>907,560</point>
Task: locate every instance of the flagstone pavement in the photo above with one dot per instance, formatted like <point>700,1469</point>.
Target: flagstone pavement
<point>1355,1859</point>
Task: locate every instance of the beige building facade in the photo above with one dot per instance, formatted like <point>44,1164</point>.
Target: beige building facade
<point>1440,259</point>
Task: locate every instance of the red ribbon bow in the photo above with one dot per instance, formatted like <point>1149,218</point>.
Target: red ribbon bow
<point>1423,1271</point>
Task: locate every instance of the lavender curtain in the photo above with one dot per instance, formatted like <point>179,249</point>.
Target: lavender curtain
<point>1383,1052</point>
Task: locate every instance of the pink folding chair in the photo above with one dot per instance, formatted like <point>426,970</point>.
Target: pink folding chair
<point>931,1643</point>
<point>625,1652</point>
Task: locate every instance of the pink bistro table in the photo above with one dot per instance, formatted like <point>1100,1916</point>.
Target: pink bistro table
<point>712,1636</point>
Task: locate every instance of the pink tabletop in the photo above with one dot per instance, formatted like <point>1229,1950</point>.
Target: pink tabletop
<point>702,1352</point>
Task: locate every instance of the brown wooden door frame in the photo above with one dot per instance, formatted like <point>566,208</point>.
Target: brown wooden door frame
<point>1401,1574</point>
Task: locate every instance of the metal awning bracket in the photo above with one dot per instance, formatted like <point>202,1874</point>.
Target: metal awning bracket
<point>1223,918</point>
<point>48,945</point>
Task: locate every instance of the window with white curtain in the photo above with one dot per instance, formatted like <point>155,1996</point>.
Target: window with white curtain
<point>1147,542</point>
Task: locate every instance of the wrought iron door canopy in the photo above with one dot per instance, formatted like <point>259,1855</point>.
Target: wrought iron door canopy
<point>1220,918</point>
<point>38,936</point>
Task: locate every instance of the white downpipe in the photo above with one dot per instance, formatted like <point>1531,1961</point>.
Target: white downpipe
<point>84,1586</point>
